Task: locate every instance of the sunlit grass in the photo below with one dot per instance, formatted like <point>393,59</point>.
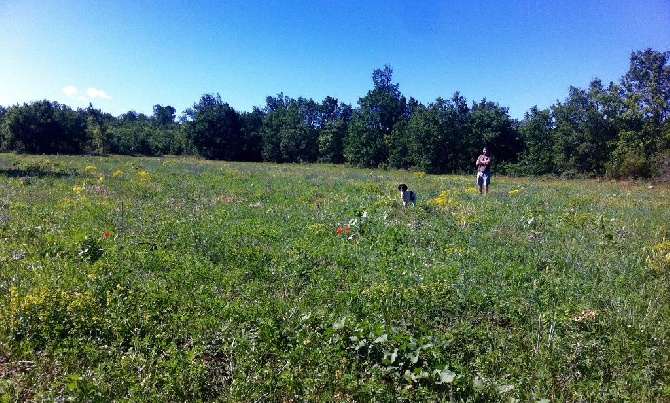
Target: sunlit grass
<point>183,279</point>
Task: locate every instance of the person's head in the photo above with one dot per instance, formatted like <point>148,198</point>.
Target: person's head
<point>484,151</point>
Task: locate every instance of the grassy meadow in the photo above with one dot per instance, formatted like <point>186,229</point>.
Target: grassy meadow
<point>176,279</point>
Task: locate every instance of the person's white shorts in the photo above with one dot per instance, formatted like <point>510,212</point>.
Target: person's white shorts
<point>483,178</point>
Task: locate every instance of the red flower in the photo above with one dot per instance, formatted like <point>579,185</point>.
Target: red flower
<point>339,230</point>
<point>106,233</point>
<point>347,228</point>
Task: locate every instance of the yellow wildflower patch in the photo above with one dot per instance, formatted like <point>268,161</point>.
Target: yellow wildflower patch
<point>385,290</point>
<point>42,304</point>
<point>444,200</point>
<point>658,258</point>
<point>144,176</point>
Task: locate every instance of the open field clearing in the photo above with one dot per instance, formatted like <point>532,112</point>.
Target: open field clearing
<point>170,279</point>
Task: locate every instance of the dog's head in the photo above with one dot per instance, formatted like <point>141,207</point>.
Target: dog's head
<point>402,187</point>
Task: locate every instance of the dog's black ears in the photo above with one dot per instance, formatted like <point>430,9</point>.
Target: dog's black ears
<point>402,187</point>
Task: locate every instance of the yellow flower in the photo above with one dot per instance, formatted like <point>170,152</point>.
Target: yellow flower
<point>144,175</point>
<point>78,188</point>
<point>89,168</point>
<point>444,200</point>
<point>513,192</point>
<point>117,173</point>
<point>658,258</point>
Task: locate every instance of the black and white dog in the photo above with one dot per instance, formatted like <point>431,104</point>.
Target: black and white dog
<point>407,196</point>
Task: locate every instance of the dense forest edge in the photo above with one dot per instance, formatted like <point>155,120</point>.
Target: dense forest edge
<point>616,130</point>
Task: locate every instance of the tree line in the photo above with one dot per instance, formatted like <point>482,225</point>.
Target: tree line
<point>620,130</point>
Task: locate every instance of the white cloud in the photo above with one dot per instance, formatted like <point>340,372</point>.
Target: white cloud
<point>74,93</point>
<point>70,90</point>
<point>96,93</point>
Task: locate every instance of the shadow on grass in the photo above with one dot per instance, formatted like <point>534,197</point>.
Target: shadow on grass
<point>36,172</point>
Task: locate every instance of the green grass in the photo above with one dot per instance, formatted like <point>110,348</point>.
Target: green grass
<point>187,280</point>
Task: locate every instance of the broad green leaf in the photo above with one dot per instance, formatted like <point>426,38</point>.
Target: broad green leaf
<point>478,384</point>
<point>446,376</point>
<point>381,339</point>
<point>504,388</point>
<point>340,324</point>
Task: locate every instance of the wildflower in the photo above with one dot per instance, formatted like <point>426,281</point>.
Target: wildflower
<point>513,192</point>
<point>347,228</point>
<point>117,173</point>
<point>586,314</point>
<point>90,168</point>
<point>339,230</point>
<point>78,188</point>
<point>658,257</point>
<point>144,176</point>
<point>105,234</point>
<point>444,200</point>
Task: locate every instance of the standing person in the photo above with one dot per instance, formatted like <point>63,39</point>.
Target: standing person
<point>483,164</point>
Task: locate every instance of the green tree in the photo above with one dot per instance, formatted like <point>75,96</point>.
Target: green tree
<point>644,135</point>
<point>584,133</point>
<point>369,135</point>
<point>165,135</point>
<point>437,136</point>
<point>131,133</point>
<point>252,140</point>
<point>98,127</point>
<point>288,132</point>
<point>164,115</point>
<point>647,82</point>
<point>213,128</point>
<point>44,127</point>
<point>573,151</point>
<point>3,111</point>
<point>333,126</point>
<point>537,136</point>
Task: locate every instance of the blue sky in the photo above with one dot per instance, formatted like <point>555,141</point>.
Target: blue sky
<point>130,55</point>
